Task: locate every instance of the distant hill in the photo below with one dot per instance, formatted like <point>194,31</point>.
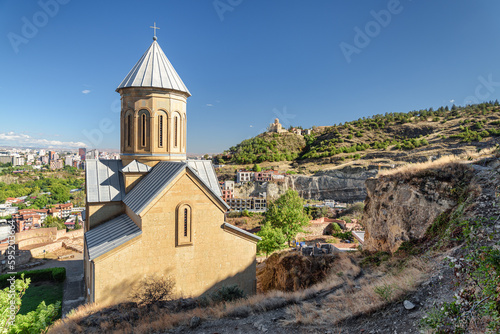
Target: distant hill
<point>411,136</point>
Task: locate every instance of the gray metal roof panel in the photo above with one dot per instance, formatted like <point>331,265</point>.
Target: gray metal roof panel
<point>136,167</point>
<point>110,235</point>
<point>234,228</point>
<point>103,181</point>
<point>206,171</point>
<point>152,185</point>
<point>160,177</point>
<point>212,189</point>
<point>154,70</point>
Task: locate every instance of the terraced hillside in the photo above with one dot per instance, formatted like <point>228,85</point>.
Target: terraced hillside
<point>394,137</point>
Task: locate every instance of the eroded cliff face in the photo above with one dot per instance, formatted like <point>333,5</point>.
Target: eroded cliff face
<point>401,207</point>
<point>343,185</point>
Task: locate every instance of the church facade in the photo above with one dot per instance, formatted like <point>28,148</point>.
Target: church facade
<point>154,211</point>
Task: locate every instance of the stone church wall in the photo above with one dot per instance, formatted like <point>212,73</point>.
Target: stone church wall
<point>214,258</point>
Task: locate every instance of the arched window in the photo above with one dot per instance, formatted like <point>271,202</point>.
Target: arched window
<point>185,222</point>
<point>184,225</point>
<point>143,130</point>
<point>176,131</point>
<point>160,131</point>
<point>129,130</point>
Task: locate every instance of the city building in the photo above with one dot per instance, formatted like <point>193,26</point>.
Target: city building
<point>244,176</point>
<point>264,176</point>
<point>56,164</point>
<point>82,152</point>
<point>61,210</point>
<point>250,204</point>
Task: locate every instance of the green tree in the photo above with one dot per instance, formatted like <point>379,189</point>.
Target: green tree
<point>60,193</point>
<point>256,168</point>
<point>52,221</point>
<point>77,224</point>
<point>40,202</point>
<point>272,239</point>
<point>287,213</point>
<point>33,322</point>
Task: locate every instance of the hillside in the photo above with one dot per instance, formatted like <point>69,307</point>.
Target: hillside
<point>415,136</point>
<point>443,279</point>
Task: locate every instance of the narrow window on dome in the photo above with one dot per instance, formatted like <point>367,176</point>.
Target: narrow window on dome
<point>160,131</point>
<point>176,131</point>
<point>129,130</point>
<point>143,117</point>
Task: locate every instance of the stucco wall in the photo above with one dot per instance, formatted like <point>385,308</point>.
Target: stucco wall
<point>215,257</point>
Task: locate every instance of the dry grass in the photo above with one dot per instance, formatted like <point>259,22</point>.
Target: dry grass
<point>122,320</point>
<point>413,168</point>
<point>362,299</point>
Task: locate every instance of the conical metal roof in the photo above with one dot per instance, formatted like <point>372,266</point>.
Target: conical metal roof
<point>154,70</point>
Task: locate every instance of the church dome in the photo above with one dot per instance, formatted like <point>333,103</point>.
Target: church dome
<point>154,70</point>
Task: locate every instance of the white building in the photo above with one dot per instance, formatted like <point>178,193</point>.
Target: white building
<point>244,176</point>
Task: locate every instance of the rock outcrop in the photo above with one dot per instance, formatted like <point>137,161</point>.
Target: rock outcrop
<point>344,185</point>
<point>401,207</point>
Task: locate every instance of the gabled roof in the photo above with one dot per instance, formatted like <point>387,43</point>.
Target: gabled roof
<point>104,181</point>
<point>136,167</point>
<point>159,178</point>
<point>110,235</point>
<point>154,70</point>
<point>206,172</point>
<point>152,185</point>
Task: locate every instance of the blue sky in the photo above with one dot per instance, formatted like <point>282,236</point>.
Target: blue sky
<point>245,62</point>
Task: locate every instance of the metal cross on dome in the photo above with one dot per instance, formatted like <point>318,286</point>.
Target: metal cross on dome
<point>154,27</point>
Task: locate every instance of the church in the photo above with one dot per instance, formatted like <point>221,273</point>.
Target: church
<point>154,211</point>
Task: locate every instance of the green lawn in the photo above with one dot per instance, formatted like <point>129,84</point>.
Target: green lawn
<point>50,292</point>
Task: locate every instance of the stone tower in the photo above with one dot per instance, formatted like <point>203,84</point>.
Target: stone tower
<point>153,111</point>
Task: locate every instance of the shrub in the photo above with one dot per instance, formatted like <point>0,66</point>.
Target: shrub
<point>246,213</point>
<point>153,288</point>
<point>375,259</point>
<point>50,274</point>
<point>227,293</point>
<point>343,235</point>
<point>336,228</point>
<point>36,321</point>
<point>384,291</point>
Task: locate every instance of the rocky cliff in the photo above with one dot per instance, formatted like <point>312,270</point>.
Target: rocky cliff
<point>402,206</point>
<point>343,185</point>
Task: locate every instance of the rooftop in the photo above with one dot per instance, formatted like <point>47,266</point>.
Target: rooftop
<point>154,70</point>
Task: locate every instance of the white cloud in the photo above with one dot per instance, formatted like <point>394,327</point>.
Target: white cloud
<point>85,91</point>
<point>251,126</point>
<point>451,101</point>
<point>209,105</point>
<point>21,139</point>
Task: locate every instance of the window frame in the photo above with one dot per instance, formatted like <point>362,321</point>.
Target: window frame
<point>184,225</point>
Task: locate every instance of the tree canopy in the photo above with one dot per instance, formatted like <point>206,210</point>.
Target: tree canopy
<point>287,213</point>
